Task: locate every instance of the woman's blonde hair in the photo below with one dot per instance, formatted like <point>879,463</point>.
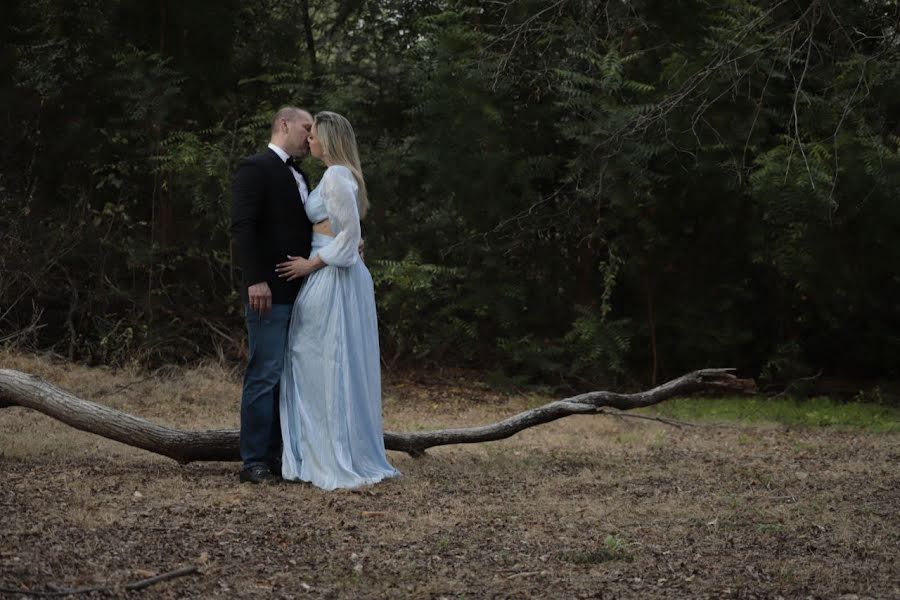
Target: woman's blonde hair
<point>339,144</point>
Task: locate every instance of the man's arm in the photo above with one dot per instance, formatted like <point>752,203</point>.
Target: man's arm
<point>247,196</point>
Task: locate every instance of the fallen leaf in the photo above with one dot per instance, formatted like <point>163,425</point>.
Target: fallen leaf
<point>144,573</point>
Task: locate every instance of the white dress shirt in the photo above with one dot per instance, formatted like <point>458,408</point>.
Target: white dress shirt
<point>301,183</point>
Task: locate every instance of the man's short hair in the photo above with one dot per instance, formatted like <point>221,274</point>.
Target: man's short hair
<point>289,113</point>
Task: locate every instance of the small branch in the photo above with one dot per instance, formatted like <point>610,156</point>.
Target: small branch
<point>137,585</point>
<point>797,92</point>
<point>516,33</point>
<point>31,328</point>
<point>218,331</point>
<point>121,388</point>
<point>486,236</point>
<point>758,110</point>
<point>145,583</point>
<point>663,420</point>
<point>792,384</point>
<point>21,332</point>
<point>70,319</point>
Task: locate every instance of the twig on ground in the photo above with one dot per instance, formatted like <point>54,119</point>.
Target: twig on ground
<point>122,387</point>
<point>136,585</point>
<point>673,422</point>
<point>145,583</point>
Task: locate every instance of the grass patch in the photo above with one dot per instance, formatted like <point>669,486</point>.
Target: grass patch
<point>769,527</point>
<point>613,548</point>
<point>813,412</point>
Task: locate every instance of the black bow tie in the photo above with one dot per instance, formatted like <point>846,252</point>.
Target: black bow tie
<point>290,162</point>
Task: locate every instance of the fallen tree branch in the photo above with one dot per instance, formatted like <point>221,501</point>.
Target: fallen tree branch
<point>720,380</point>
<point>136,585</point>
<point>22,389</point>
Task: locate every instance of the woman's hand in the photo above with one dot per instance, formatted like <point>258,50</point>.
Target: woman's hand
<point>297,266</point>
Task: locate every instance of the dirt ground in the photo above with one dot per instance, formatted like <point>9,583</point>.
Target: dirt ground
<point>585,507</point>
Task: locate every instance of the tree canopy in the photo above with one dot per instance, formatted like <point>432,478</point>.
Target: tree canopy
<point>569,192</point>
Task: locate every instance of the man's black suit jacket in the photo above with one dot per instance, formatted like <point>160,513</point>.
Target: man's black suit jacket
<point>268,222</point>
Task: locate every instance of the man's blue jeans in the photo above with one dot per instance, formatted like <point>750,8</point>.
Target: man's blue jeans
<point>260,425</point>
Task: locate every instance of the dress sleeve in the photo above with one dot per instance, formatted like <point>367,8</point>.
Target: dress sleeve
<point>339,194</point>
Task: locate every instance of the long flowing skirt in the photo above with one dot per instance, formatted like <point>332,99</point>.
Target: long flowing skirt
<point>330,401</point>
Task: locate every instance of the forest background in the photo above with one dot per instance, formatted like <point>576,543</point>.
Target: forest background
<point>568,193</point>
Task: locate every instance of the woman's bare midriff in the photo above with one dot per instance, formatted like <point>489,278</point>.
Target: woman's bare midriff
<point>323,227</point>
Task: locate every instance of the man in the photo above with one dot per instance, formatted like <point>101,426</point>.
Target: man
<point>268,223</point>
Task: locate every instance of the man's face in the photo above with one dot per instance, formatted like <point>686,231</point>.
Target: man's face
<point>298,134</point>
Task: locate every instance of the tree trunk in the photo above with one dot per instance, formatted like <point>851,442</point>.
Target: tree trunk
<point>310,40</point>
<point>22,389</point>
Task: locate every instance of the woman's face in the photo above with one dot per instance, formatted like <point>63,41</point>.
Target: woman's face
<point>315,147</point>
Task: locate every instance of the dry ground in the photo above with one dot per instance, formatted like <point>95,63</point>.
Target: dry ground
<point>586,507</point>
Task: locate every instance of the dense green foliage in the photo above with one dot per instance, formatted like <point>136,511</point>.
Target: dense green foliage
<point>574,192</point>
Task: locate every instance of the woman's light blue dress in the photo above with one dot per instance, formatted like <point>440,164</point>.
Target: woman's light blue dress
<point>330,404</point>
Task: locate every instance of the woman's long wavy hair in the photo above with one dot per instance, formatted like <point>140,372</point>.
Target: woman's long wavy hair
<point>339,144</point>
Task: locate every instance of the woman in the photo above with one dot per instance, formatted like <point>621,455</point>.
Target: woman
<point>331,384</point>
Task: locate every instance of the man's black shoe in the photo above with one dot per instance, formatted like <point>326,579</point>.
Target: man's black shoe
<point>258,474</point>
<point>276,470</point>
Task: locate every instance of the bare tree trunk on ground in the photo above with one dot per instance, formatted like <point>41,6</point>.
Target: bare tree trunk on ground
<point>22,389</point>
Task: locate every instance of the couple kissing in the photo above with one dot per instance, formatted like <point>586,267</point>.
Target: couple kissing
<point>311,397</point>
